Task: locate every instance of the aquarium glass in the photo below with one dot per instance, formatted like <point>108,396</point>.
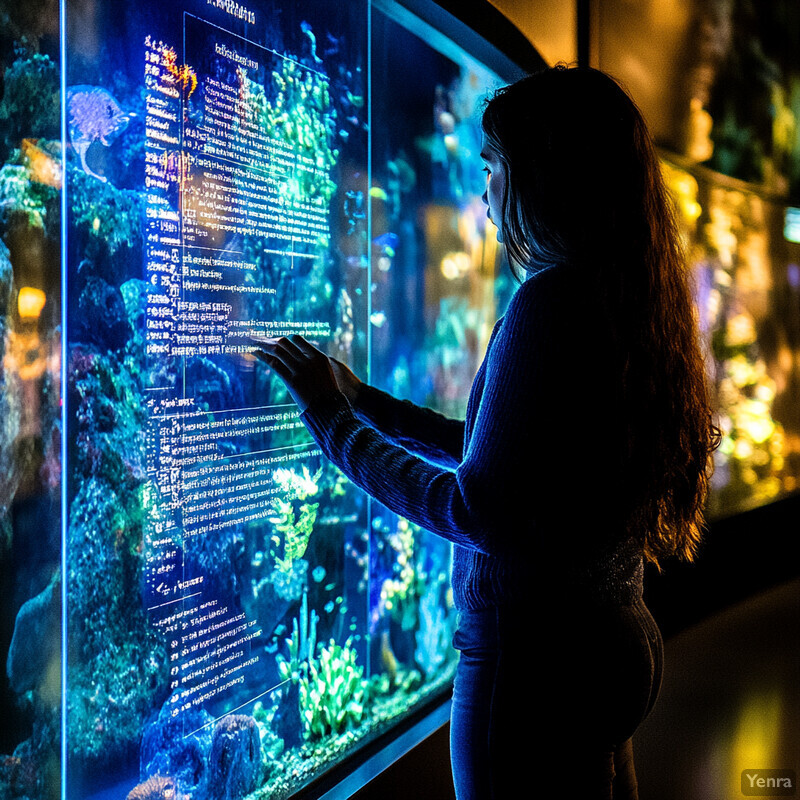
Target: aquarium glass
<point>30,390</point>
<point>195,603</point>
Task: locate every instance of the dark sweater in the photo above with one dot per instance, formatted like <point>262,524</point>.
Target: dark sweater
<point>528,487</point>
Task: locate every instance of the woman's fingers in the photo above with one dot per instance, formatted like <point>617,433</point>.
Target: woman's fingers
<point>304,347</point>
<point>282,349</point>
<point>274,362</point>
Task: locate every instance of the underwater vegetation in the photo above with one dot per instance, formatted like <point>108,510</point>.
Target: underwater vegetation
<point>331,688</point>
<point>298,111</point>
<point>332,693</point>
<point>294,527</point>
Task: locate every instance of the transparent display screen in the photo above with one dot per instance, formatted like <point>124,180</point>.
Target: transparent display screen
<point>239,617</point>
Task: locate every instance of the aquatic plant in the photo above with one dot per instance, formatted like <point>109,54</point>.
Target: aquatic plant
<point>294,528</point>
<point>298,111</point>
<point>331,685</point>
<point>301,643</point>
<point>333,692</point>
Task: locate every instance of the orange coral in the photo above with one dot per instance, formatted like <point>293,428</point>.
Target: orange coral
<point>183,74</point>
<point>156,787</point>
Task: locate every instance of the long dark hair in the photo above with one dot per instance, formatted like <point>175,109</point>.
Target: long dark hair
<point>584,188</point>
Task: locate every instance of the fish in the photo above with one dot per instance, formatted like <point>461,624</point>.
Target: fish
<point>93,115</point>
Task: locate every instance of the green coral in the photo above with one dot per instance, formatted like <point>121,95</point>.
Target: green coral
<point>301,114</point>
<point>301,643</point>
<point>333,691</point>
<point>293,525</point>
<point>21,195</point>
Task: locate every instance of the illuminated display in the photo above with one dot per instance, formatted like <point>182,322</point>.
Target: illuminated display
<point>746,293</point>
<point>237,618</point>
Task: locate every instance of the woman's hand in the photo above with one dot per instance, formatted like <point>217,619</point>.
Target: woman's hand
<point>306,371</point>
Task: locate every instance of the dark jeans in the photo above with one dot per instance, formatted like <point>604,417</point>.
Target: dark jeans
<point>545,702</point>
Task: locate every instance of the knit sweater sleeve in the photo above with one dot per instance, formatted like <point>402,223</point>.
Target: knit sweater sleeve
<point>478,505</point>
<point>422,431</point>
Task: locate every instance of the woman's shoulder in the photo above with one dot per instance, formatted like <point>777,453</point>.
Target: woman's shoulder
<point>541,295</point>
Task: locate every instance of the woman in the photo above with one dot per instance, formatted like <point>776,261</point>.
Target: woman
<point>585,449</point>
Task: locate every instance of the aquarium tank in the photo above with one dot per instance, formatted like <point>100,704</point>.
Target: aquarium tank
<point>195,603</point>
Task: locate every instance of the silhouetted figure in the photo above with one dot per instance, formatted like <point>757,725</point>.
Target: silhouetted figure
<point>585,450</point>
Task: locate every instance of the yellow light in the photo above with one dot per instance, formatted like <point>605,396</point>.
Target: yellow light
<point>759,430</point>
<point>455,265</point>
<point>30,302</point>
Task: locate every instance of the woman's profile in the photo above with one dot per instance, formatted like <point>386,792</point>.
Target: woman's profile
<point>584,453</point>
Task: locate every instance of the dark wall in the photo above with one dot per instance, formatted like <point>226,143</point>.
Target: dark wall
<point>741,556</point>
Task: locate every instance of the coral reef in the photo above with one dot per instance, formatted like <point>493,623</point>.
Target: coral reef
<point>23,200</point>
<point>105,229</point>
<point>332,693</point>
<point>118,671</point>
<point>157,787</point>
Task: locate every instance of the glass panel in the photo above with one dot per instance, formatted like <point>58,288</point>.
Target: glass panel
<point>257,618</point>
<point>437,291</point>
<point>30,389</point>
<point>215,190</point>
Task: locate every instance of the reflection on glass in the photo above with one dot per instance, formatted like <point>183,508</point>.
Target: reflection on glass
<point>747,301</point>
